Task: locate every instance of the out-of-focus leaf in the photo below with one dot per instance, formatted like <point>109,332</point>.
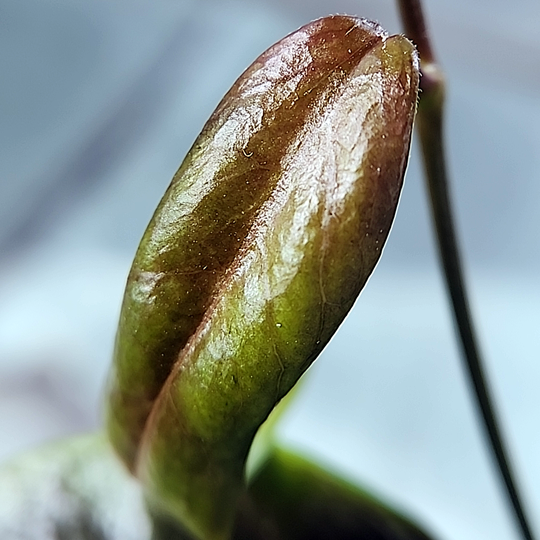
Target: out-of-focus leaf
<point>71,490</point>
<point>291,498</point>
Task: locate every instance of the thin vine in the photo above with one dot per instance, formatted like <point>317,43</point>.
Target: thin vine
<point>430,125</point>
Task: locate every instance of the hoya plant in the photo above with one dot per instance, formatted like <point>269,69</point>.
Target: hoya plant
<point>255,255</point>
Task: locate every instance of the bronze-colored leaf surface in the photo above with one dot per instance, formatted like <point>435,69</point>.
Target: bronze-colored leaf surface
<point>256,253</point>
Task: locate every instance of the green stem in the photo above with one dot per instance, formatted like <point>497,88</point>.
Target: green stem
<point>430,129</point>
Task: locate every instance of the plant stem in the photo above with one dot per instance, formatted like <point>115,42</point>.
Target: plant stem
<point>430,128</point>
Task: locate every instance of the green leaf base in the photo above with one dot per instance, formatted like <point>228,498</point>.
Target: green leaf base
<point>78,490</point>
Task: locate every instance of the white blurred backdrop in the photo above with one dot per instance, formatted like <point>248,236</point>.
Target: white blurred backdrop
<point>100,101</point>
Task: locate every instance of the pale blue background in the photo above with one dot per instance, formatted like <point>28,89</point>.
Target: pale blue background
<point>100,100</point>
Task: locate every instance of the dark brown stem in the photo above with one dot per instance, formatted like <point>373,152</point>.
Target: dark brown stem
<point>412,17</point>
<point>431,132</point>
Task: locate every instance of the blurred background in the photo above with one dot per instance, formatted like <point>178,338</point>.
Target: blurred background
<point>100,101</point>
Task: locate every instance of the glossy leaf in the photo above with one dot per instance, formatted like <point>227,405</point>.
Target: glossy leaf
<point>258,250</point>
